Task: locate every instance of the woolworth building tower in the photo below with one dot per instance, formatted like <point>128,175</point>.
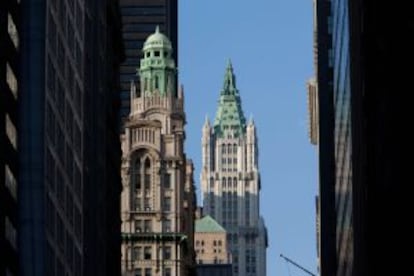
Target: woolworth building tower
<point>230,180</point>
<point>158,201</point>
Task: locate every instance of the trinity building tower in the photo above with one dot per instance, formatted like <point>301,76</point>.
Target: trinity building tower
<point>158,199</point>
<point>230,180</point>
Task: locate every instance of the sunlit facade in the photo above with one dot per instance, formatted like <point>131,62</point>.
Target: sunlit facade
<point>230,180</point>
<point>157,202</point>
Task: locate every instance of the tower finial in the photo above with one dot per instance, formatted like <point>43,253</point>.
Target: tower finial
<point>157,29</point>
<point>229,65</point>
<point>229,86</point>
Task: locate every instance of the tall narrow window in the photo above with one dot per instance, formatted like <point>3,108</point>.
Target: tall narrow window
<point>148,225</point>
<point>167,180</point>
<point>136,253</point>
<point>167,204</point>
<point>136,176</point>
<point>167,253</point>
<point>156,80</point>
<point>147,174</point>
<point>167,225</point>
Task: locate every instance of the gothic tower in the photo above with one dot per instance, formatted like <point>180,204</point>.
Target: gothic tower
<point>230,180</point>
<point>157,200</point>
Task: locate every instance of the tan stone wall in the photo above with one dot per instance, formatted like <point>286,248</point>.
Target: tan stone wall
<point>211,248</point>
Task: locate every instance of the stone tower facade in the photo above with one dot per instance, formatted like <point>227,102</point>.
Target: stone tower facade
<point>157,203</point>
<point>230,180</point>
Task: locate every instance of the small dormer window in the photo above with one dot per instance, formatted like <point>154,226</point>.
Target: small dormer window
<point>148,54</point>
<point>165,54</point>
<point>156,53</point>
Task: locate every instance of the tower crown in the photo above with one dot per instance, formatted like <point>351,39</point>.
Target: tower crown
<point>157,68</point>
<point>230,120</point>
<point>157,40</point>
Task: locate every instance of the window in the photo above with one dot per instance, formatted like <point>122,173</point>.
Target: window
<point>10,182</point>
<point>147,180</point>
<point>167,225</point>
<point>10,233</point>
<point>136,253</point>
<point>148,225</point>
<point>137,272</point>
<point>12,30</point>
<point>137,203</point>
<point>148,272</point>
<point>138,226</point>
<point>11,80</point>
<point>147,205</point>
<point>157,79</point>
<point>156,53</point>
<point>167,204</point>
<point>167,271</point>
<point>167,253</point>
<point>167,180</point>
<point>136,176</point>
<point>147,253</point>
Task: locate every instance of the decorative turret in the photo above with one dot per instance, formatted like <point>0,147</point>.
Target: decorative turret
<point>230,120</point>
<point>157,68</point>
<point>157,74</point>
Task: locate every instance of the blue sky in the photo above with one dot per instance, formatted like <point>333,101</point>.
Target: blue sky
<point>270,45</point>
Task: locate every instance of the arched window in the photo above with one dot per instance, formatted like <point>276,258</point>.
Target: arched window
<point>223,180</point>
<point>147,174</point>
<point>136,175</point>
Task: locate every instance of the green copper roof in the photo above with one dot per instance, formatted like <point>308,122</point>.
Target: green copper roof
<point>157,40</point>
<point>208,224</point>
<point>229,116</point>
<point>157,69</point>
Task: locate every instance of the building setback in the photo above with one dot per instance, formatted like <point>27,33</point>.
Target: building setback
<point>10,38</point>
<point>69,150</point>
<point>139,18</point>
<point>230,180</point>
<point>158,201</point>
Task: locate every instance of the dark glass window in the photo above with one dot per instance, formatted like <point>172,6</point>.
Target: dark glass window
<point>147,253</point>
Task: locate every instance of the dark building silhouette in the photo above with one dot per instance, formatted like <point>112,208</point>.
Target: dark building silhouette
<point>361,138</point>
<point>69,150</point>
<point>140,18</point>
<point>10,37</point>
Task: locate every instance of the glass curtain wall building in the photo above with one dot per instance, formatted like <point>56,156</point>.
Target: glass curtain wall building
<point>71,51</point>
<point>335,145</point>
<point>10,37</point>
